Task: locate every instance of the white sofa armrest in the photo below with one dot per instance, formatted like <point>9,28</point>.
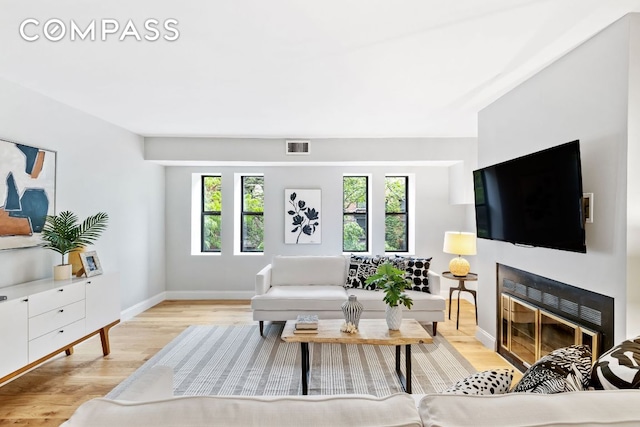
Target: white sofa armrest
<point>263,280</point>
<point>434,282</point>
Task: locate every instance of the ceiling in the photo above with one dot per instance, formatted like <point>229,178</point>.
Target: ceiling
<point>294,68</point>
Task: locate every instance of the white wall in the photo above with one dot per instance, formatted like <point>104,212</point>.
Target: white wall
<point>581,96</point>
<point>633,182</point>
<point>229,276</point>
<point>100,167</point>
<point>244,151</point>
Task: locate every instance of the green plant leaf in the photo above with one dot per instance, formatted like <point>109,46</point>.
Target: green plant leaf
<point>393,282</point>
<point>62,233</point>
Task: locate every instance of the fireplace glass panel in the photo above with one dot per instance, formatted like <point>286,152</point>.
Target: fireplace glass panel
<point>504,330</point>
<point>590,338</point>
<point>555,333</point>
<point>573,316</point>
<point>524,331</point>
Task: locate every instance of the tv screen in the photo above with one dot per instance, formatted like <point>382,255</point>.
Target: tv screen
<point>534,200</point>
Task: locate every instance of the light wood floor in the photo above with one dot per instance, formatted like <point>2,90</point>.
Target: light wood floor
<point>49,394</point>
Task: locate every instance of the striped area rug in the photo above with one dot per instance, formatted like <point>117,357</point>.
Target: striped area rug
<point>235,360</point>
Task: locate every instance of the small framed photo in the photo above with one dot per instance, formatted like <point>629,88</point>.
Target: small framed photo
<point>90,263</point>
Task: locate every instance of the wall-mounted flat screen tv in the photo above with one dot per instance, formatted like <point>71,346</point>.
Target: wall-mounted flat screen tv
<point>534,200</point>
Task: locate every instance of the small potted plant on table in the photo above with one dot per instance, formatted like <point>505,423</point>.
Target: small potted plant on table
<point>393,282</point>
<point>62,233</point>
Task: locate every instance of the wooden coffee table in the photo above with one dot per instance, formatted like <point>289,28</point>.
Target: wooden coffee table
<point>370,331</point>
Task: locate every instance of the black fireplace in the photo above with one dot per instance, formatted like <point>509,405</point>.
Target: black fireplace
<point>537,315</point>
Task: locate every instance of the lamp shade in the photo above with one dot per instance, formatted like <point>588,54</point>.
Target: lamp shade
<point>459,243</point>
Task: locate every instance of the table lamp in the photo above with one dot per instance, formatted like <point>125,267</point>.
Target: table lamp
<point>459,243</point>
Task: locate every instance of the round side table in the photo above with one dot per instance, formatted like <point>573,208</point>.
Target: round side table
<point>470,277</point>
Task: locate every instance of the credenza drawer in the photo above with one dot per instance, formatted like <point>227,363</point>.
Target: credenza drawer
<point>43,318</point>
<point>55,298</point>
<point>56,318</point>
<point>55,340</point>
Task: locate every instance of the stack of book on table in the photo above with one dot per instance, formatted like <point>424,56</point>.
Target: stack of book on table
<point>306,324</point>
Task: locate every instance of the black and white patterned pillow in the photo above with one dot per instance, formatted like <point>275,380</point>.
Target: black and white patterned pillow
<point>496,381</point>
<point>618,368</point>
<point>564,369</point>
<point>417,272</point>
<point>361,267</point>
<point>397,261</point>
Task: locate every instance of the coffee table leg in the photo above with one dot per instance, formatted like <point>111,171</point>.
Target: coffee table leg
<point>407,357</point>
<point>305,366</point>
<point>405,382</point>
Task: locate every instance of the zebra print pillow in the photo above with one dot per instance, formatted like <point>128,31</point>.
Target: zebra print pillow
<point>496,381</point>
<point>564,369</point>
<point>619,367</point>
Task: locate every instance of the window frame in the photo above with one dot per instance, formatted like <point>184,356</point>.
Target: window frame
<point>407,232</point>
<point>367,212</point>
<point>244,213</point>
<point>204,213</point>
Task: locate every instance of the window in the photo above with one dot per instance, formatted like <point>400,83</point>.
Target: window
<point>355,214</point>
<point>396,221</point>
<point>252,214</point>
<point>211,213</point>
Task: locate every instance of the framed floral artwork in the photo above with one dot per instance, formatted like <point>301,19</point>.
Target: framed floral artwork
<point>302,218</point>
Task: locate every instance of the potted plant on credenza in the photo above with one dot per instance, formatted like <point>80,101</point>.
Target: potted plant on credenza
<point>393,282</point>
<point>62,233</point>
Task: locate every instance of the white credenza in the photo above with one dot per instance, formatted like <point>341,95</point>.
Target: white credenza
<point>43,318</point>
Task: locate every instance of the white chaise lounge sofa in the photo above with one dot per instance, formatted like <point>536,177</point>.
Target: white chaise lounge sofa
<point>149,401</point>
<point>293,285</point>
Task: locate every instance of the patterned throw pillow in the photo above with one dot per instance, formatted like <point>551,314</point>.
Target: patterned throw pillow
<point>496,381</point>
<point>564,369</point>
<point>417,271</point>
<point>361,267</point>
<point>618,368</point>
<point>397,261</point>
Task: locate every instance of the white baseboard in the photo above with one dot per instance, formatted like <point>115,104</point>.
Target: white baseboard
<point>142,306</point>
<point>222,295</point>
<point>486,339</point>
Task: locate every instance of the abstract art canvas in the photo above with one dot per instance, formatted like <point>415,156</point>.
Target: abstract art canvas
<point>302,216</point>
<point>27,193</point>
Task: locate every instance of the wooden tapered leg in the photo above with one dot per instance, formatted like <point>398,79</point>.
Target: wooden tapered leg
<point>104,338</point>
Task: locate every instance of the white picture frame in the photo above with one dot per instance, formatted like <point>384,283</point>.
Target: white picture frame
<point>90,263</point>
<point>302,216</point>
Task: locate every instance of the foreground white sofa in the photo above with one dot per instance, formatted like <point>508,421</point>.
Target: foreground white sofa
<point>149,402</point>
<point>293,285</point>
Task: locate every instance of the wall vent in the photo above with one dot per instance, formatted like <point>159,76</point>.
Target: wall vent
<point>297,147</point>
